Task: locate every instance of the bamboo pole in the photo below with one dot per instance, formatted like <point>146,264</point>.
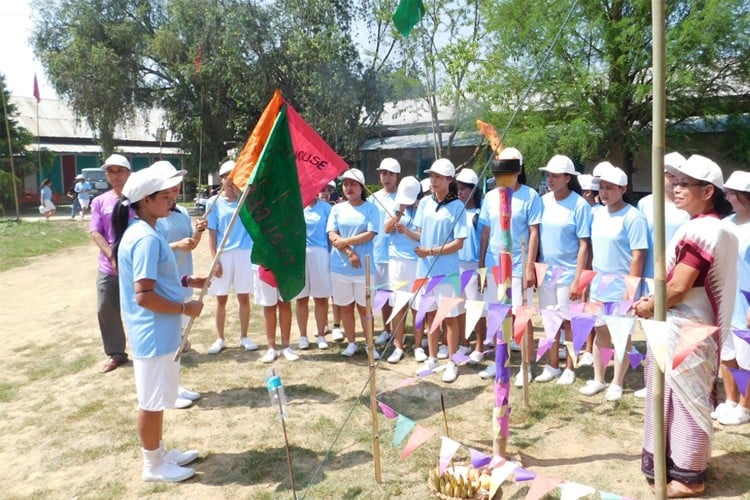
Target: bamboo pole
<point>10,153</point>
<point>369,327</point>
<point>657,182</point>
<point>526,332</point>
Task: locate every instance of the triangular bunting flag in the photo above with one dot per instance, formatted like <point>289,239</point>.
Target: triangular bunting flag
<point>607,355</point>
<point>496,313</point>
<point>557,271</point>
<point>424,304</point>
<point>623,307</point>
<point>542,347</point>
<point>401,299</point>
<point>381,297</point>
<point>524,475</point>
<point>620,329</point>
<point>551,320</point>
<point>474,310</point>
<point>455,280</point>
<point>632,285</point>
<point>404,426</point>
<point>496,275</point>
<point>746,294</point>
<point>418,283</point>
<point>604,281</point>
<point>435,281</point>
<point>656,337</point>
<point>520,322</point>
<point>465,278</point>
<point>482,277</point>
<point>635,359</point>
<point>741,378</point>
<point>541,272</point>
<point>742,334</point>
<point>574,491</point>
<point>387,410</point>
<point>541,486</point>
<point>499,475</point>
<point>399,284</point>
<point>459,359</point>
<point>478,459</point>
<point>420,436</point>
<point>576,307</point>
<point>444,307</point>
<point>448,448</point>
<point>584,279</point>
<point>691,335</point>
<point>581,325</point>
<point>570,348</point>
<point>592,307</point>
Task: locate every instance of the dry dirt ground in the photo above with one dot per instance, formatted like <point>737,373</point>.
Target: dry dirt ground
<point>68,431</point>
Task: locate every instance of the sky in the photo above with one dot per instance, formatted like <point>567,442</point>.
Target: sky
<point>17,61</point>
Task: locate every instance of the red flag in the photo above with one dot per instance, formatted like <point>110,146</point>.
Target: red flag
<point>36,90</point>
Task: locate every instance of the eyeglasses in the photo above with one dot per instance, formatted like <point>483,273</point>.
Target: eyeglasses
<point>686,184</point>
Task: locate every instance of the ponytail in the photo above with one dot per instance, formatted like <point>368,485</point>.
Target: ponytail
<point>120,219</point>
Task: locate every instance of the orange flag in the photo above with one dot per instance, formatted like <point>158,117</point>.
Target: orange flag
<point>692,334</point>
<point>418,437</point>
<point>251,152</point>
<point>523,315</point>
<point>583,281</point>
<point>444,307</point>
<point>418,283</point>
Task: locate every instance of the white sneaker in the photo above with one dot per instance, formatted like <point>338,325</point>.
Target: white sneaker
<point>182,403</point>
<point>568,377</point>
<point>396,355</point>
<point>519,378</point>
<point>723,408</point>
<point>464,350</point>
<point>735,416</point>
<point>304,343</point>
<point>419,355</point>
<point>269,356</point>
<point>350,350</point>
<point>514,347</point>
<point>548,373</point>
<point>562,353</point>
<point>322,344</point>
<point>429,364</point>
<point>178,457</point>
<point>167,472</point>
<point>614,393</point>
<point>216,347</point>
<point>248,344</point>
<point>450,373</point>
<point>476,357</point>
<point>587,359</point>
<point>488,372</point>
<point>289,354</point>
<point>375,353</point>
<point>592,387</point>
<point>443,351</point>
<point>383,338</point>
<point>337,334</point>
<point>186,393</point>
<point>640,393</point>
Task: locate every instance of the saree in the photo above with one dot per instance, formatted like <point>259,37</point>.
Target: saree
<point>689,389</point>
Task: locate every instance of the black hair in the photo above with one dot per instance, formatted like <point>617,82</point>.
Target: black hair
<point>46,181</point>
<point>121,219</point>
<point>720,202</point>
<point>476,194</point>
<point>522,176</point>
<point>453,187</point>
<point>574,185</point>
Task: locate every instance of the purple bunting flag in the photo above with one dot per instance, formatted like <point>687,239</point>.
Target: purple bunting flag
<point>741,378</point>
<point>479,459</point>
<point>524,475</point>
<point>466,277</point>
<point>387,410</point>
<point>381,297</point>
<point>742,334</point>
<point>433,283</point>
<point>424,304</point>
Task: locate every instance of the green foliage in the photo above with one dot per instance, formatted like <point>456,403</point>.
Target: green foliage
<point>19,139</point>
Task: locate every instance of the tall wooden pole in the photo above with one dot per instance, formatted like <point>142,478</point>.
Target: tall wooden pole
<point>657,182</point>
<point>369,328</point>
<point>10,152</point>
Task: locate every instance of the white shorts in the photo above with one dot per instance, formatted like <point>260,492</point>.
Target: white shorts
<point>348,289</point>
<point>238,273</point>
<point>156,381</point>
<point>265,294</point>
<point>46,206</point>
<point>380,277</point>
<point>471,290</point>
<point>517,294</point>
<point>554,297</point>
<point>401,270</point>
<point>84,203</point>
<point>317,274</point>
<point>441,290</point>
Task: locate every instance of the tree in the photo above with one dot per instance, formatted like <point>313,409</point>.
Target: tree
<point>593,98</point>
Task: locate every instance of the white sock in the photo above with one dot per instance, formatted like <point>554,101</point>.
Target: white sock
<point>152,458</point>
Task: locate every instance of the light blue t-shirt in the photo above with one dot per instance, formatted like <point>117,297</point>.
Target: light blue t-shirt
<point>175,227</point>
<point>673,219</point>
<point>439,226</point>
<point>613,238</point>
<point>218,220</point>
<point>46,194</point>
<point>526,211</point>
<point>83,188</point>
<point>402,247</point>
<point>385,201</point>
<point>470,251</point>
<point>316,218</point>
<point>350,221</point>
<point>742,231</point>
<point>564,222</point>
<point>145,254</point>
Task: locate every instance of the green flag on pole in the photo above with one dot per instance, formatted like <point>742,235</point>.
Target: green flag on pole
<point>407,15</point>
<point>273,212</point>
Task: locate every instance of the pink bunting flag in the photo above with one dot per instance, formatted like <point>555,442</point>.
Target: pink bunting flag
<point>576,307</point>
<point>435,281</point>
<point>523,316</point>
<point>592,307</point>
<point>524,475</point>
<point>632,285</point>
<point>541,271</point>
<point>501,394</point>
<point>387,410</point>
<point>381,297</point>
<point>552,321</point>
<point>584,279</point>
<point>466,277</point>
<point>543,347</point>
<point>623,307</point>
<point>607,355</point>
<point>496,313</point>
<point>479,459</point>
<point>541,486</point>
<point>741,378</point>
<point>424,305</point>
<point>581,325</point>
<point>692,335</point>
<point>445,306</point>
<point>742,334</point>
<point>419,437</point>
<point>635,359</point>
<point>448,448</point>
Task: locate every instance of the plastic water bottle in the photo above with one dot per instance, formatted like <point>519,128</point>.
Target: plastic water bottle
<point>276,390</point>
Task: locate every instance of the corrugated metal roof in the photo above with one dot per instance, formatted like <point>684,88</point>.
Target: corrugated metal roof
<point>416,141</point>
<point>94,149</point>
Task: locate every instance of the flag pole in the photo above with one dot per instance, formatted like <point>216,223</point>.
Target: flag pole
<point>10,154</point>
<point>371,362</point>
<point>526,332</point>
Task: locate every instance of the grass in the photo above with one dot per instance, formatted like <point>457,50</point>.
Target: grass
<point>20,241</point>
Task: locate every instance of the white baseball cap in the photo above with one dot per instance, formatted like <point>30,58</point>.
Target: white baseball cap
<point>444,167</point>
<point>587,182</point>
<point>166,169</point>
<point>703,169</point>
<point>673,161</point>
<point>560,164</point>
<point>332,184</point>
<point>226,167</point>
<point>390,165</point>
<point>146,182</point>
<point>467,176</point>
<point>354,174</point>
<point>511,154</point>
<point>600,167</point>
<point>426,187</point>
<point>408,191</point>
<point>79,176</point>
<point>614,175</point>
<point>738,181</point>
<point>115,160</point>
